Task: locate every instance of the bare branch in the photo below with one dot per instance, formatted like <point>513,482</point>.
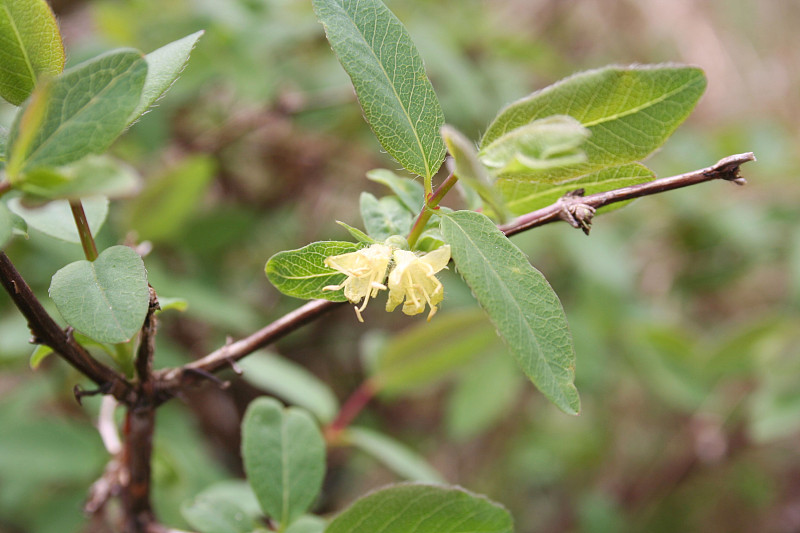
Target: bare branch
<point>171,381</point>
<point>569,206</point>
<point>46,331</point>
<point>147,347</point>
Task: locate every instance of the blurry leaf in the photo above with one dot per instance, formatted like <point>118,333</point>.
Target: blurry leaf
<point>163,68</point>
<point>6,225</point>
<point>385,217</point>
<point>284,458</point>
<point>234,491</point>
<point>30,46</point>
<point>49,450</point>
<point>359,235</point>
<point>519,302</point>
<point>543,144</point>
<point>167,202</point>
<point>302,273</point>
<point>90,176</point>
<point>292,382</point>
<point>107,299</point>
<point>55,218</point>
<point>85,110</point>
<point>426,353</point>
<point>210,515</point>
<point>393,454</point>
<point>39,354</point>
<point>178,304</point>
<point>418,508</point>
<point>410,192</point>
<point>307,524</point>
<point>526,196</point>
<point>398,100</point>
<point>485,392</point>
<point>630,111</point>
<point>470,171</point>
<point>3,141</point>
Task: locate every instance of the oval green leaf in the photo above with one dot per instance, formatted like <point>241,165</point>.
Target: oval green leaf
<point>6,225</point>
<point>30,46</point>
<point>164,66</point>
<point>292,382</point>
<point>394,455</point>
<point>387,72</point>
<point>106,300</point>
<point>520,303</point>
<point>97,175</point>
<point>630,111</point>
<point>410,192</point>
<point>85,109</point>
<point>55,218</point>
<point>284,458</point>
<point>418,508</point>
<point>302,273</point>
<point>216,515</point>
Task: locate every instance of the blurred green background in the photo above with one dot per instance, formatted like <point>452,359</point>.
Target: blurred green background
<point>684,306</point>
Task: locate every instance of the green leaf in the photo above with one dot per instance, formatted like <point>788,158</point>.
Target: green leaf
<point>178,304</point>
<point>164,66</point>
<point>630,111</point>
<point>85,110</point>
<point>385,217</point>
<point>485,392</point>
<point>284,458</point>
<point>307,524</point>
<point>302,273</point>
<point>107,299</point>
<point>292,382</point>
<point>39,354</point>
<point>210,515</point>
<point>3,141</point>
<point>30,46</point>
<point>357,234</point>
<point>526,196</point>
<point>410,192</point>
<point>543,144</point>
<point>386,69</point>
<point>166,206</point>
<point>426,353</point>
<point>393,454</point>
<point>519,302</point>
<point>55,218</point>
<point>91,176</point>
<point>470,171</point>
<point>418,508</point>
<point>6,225</point>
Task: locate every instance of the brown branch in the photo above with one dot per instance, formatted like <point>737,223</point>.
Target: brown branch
<point>573,208</point>
<point>46,331</point>
<point>147,347</point>
<point>136,465</point>
<point>171,381</point>
<point>569,207</point>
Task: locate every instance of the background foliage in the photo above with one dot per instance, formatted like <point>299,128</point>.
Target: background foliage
<point>683,307</point>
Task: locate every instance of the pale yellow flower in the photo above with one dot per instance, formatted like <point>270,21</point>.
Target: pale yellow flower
<point>414,279</point>
<point>365,270</point>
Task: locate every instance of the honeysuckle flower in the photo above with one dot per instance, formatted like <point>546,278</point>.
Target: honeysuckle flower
<point>365,270</point>
<point>413,279</point>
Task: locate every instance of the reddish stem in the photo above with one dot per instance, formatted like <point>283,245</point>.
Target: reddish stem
<point>350,409</point>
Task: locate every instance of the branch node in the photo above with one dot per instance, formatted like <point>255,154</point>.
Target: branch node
<point>80,392</point>
<point>575,212</point>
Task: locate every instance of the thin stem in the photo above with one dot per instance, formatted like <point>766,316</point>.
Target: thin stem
<point>46,331</point>
<point>726,168</point>
<point>136,460</point>
<point>350,410</point>
<point>431,205</point>
<point>85,232</point>
<point>171,381</point>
